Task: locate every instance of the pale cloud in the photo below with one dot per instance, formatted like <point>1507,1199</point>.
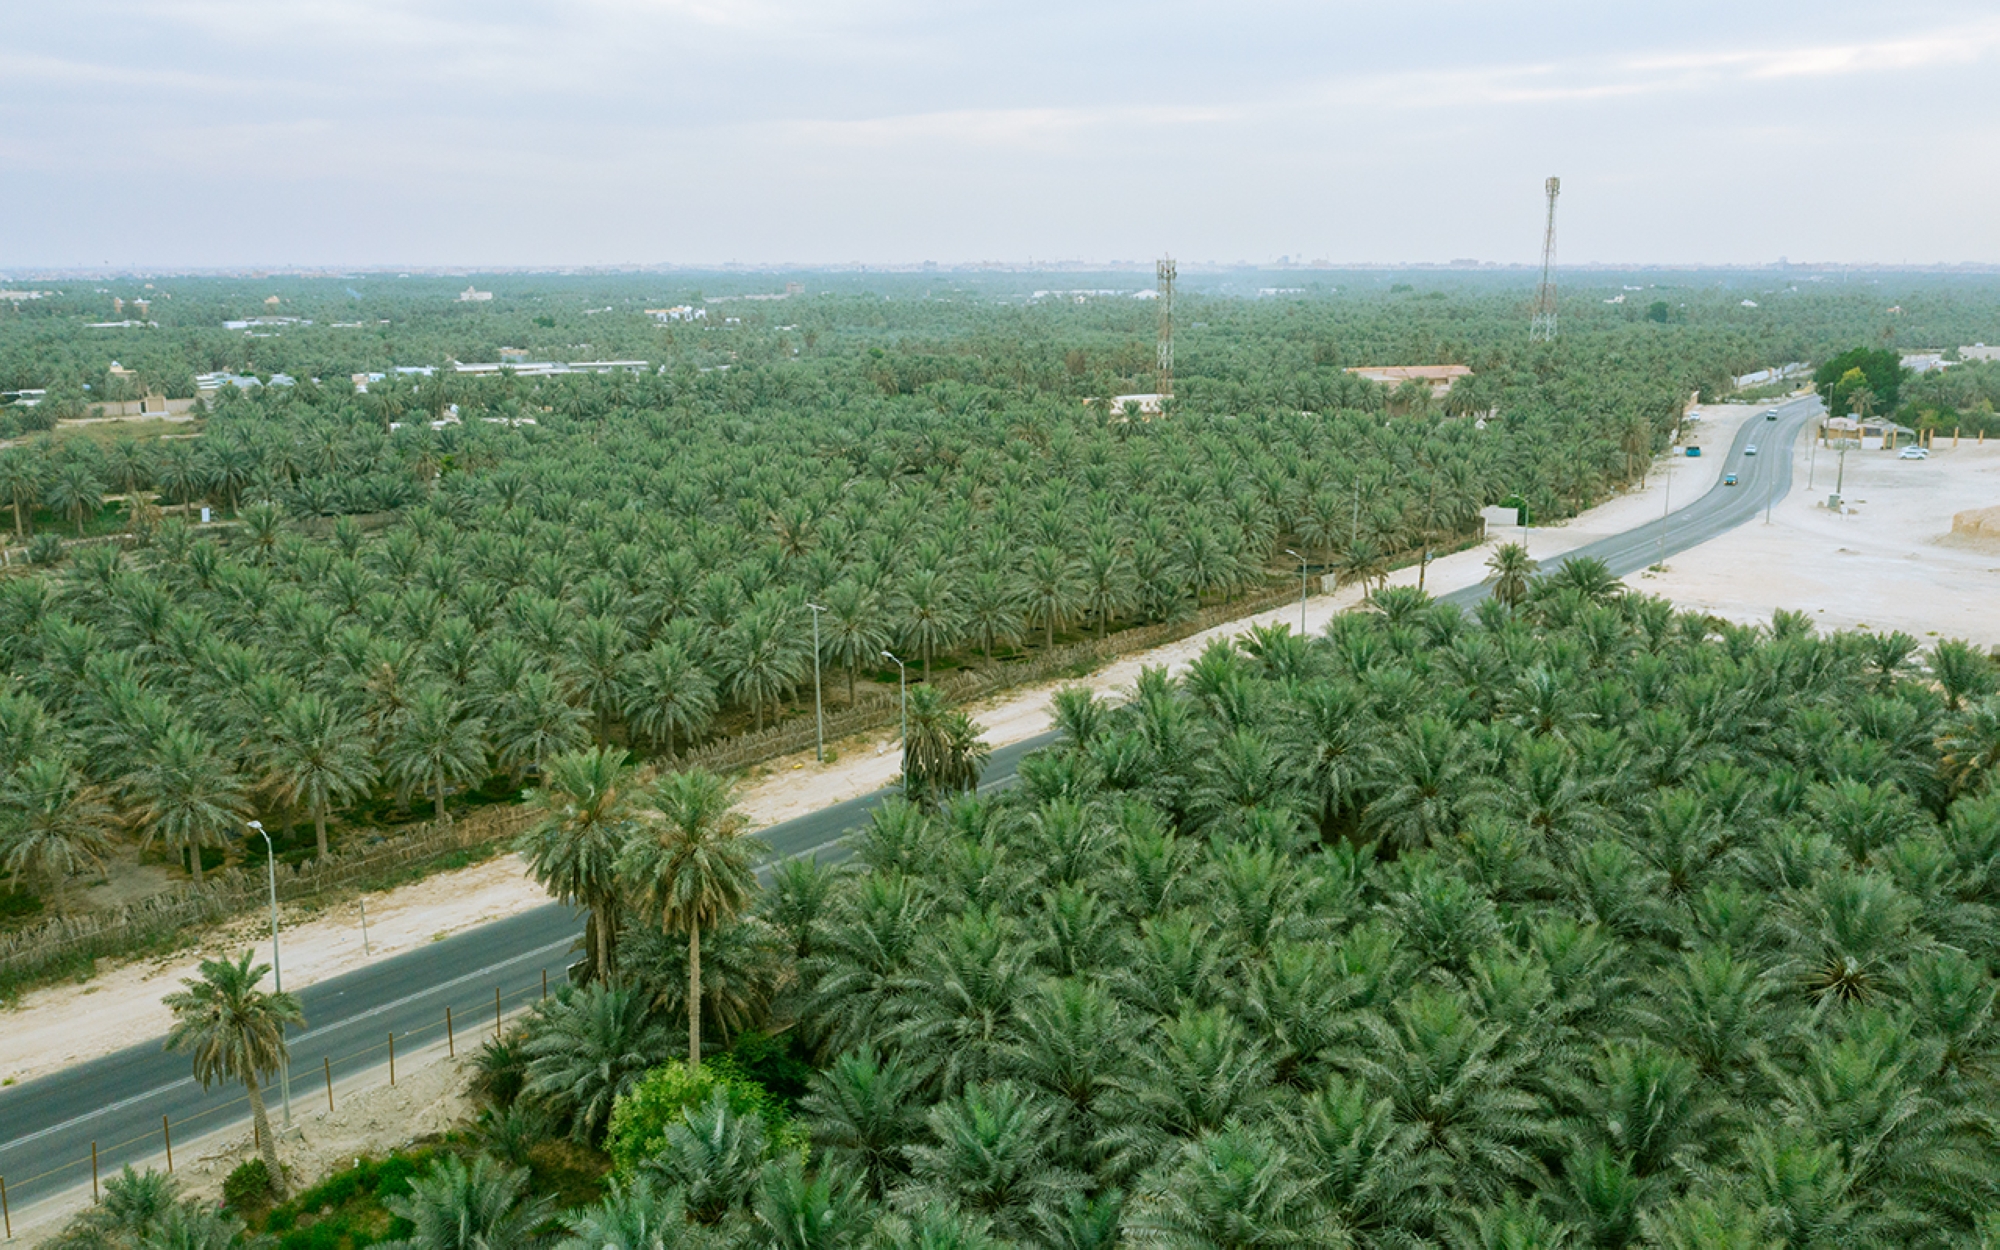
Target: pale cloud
<point>502,130</point>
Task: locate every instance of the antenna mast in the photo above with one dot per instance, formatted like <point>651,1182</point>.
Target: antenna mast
<point>1543,328</point>
<point>1165,270</point>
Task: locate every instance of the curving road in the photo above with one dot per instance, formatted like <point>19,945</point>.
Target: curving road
<point>48,1125</point>
<point>1766,475</point>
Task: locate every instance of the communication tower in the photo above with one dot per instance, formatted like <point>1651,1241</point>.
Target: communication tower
<point>1165,270</point>
<point>1543,328</point>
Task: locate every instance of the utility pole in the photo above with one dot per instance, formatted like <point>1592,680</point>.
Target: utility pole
<point>1542,329</point>
<point>1165,271</point>
<point>1302,589</point>
<point>819,713</point>
<point>277,967</point>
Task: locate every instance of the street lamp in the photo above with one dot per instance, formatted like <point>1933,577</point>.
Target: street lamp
<point>903,678</point>
<point>1302,588</point>
<point>819,712</point>
<point>277,968</point>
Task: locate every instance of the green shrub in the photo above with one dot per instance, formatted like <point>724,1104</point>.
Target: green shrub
<point>774,1064</point>
<point>248,1186</point>
<point>641,1115</point>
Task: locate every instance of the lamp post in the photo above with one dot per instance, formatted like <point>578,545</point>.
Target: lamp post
<point>1302,588</point>
<point>277,967</point>
<point>903,680</point>
<point>819,713</point>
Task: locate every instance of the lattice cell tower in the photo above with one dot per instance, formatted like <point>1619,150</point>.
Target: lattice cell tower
<point>1543,328</point>
<point>1165,270</point>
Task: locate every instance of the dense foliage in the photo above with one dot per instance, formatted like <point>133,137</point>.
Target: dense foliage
<point>1577,923</point>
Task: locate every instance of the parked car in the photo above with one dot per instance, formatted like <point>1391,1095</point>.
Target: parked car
<point>1729,479</point>
<point>1913,453</point>
<point>1694,451</point>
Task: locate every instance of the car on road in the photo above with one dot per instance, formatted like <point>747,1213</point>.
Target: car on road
<point>1751,450</point>
<point>1729,479</point>
<point>1913,453</point>
<point>1770,414</point>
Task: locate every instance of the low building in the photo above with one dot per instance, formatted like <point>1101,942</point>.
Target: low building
<point>1440,377</point>
<point>471,296</point>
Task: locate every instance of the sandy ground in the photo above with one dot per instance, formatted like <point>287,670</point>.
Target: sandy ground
<point>1883,565</point>
<point>370,1116</point>
<point>120,1006</point>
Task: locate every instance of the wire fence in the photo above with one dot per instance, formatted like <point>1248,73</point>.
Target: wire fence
<point>469,1029</point>
<point>237,891</point>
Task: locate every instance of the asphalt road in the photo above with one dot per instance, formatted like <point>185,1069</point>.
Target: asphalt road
<point>1766,475</point>
<point>48,1125</point>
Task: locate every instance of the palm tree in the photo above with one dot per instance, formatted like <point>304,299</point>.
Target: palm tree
<point>691,869</point>
<point>931,620</point>
<point>22,481</point>
<point>52,824</point>
<point>236,1032</point>
<point>587,1047</point>
<point>863,1111</point>
<point>1235,1187</point>
<point>533,722</point>
<point>184,791</point>
<point>76,492</point>
<point>1512,570</point>
<point>944,754</point>
<point>318,757</point>
<point>989,1154</point>
<point>1051,590</point>
<point>573,849</point>
<point>852,633</point>
<point>668,692</point>
<point>1969,745</point>
<point>635,1216</point>
<point>764,653</point>
<point>1363,562</point>
<point>458,1207</point>
<point>432,747</point>
<point>713,1157</point>
<point>597,656</point>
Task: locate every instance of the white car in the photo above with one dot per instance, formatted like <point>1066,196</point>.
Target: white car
<point>1751,450</point>
<point>1913,453</point>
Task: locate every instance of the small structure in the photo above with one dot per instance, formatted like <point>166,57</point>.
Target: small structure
<point>1440,377</point>
<point>472,296</point>
<point>679,312</point>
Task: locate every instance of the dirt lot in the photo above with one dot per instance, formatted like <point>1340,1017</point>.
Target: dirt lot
<point>1885,564</point>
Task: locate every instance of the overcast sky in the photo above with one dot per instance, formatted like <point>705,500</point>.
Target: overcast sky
<point>507,132</point>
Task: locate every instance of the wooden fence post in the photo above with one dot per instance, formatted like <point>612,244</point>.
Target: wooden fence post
<point>93,1171</point>
<point>328,1061</point>
<point>167,1133</point>
<point>496,1013</point>
<point>392,1058</point>
<point>450,1042</point>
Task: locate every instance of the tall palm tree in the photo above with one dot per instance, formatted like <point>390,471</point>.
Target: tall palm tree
<point>533,722</point>
<point>22,480</point>
<point>432,747</point>
<point>691,869</point>
<point>667,693</point>
<point>944,754</point>
<point>319,758</point>
<point>184,791</point>
<point>76,492</point>
<point>236,1032</point>
<point>764,653</point>
<point>1512,570</point>
<point>53,823</point>
<point>573,849</point>
<point>1051,590</point>
<point>931,618</point>
<point>851,631</point>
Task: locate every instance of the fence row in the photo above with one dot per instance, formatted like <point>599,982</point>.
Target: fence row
<point>472,1029</point>
<point>236,891</point>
